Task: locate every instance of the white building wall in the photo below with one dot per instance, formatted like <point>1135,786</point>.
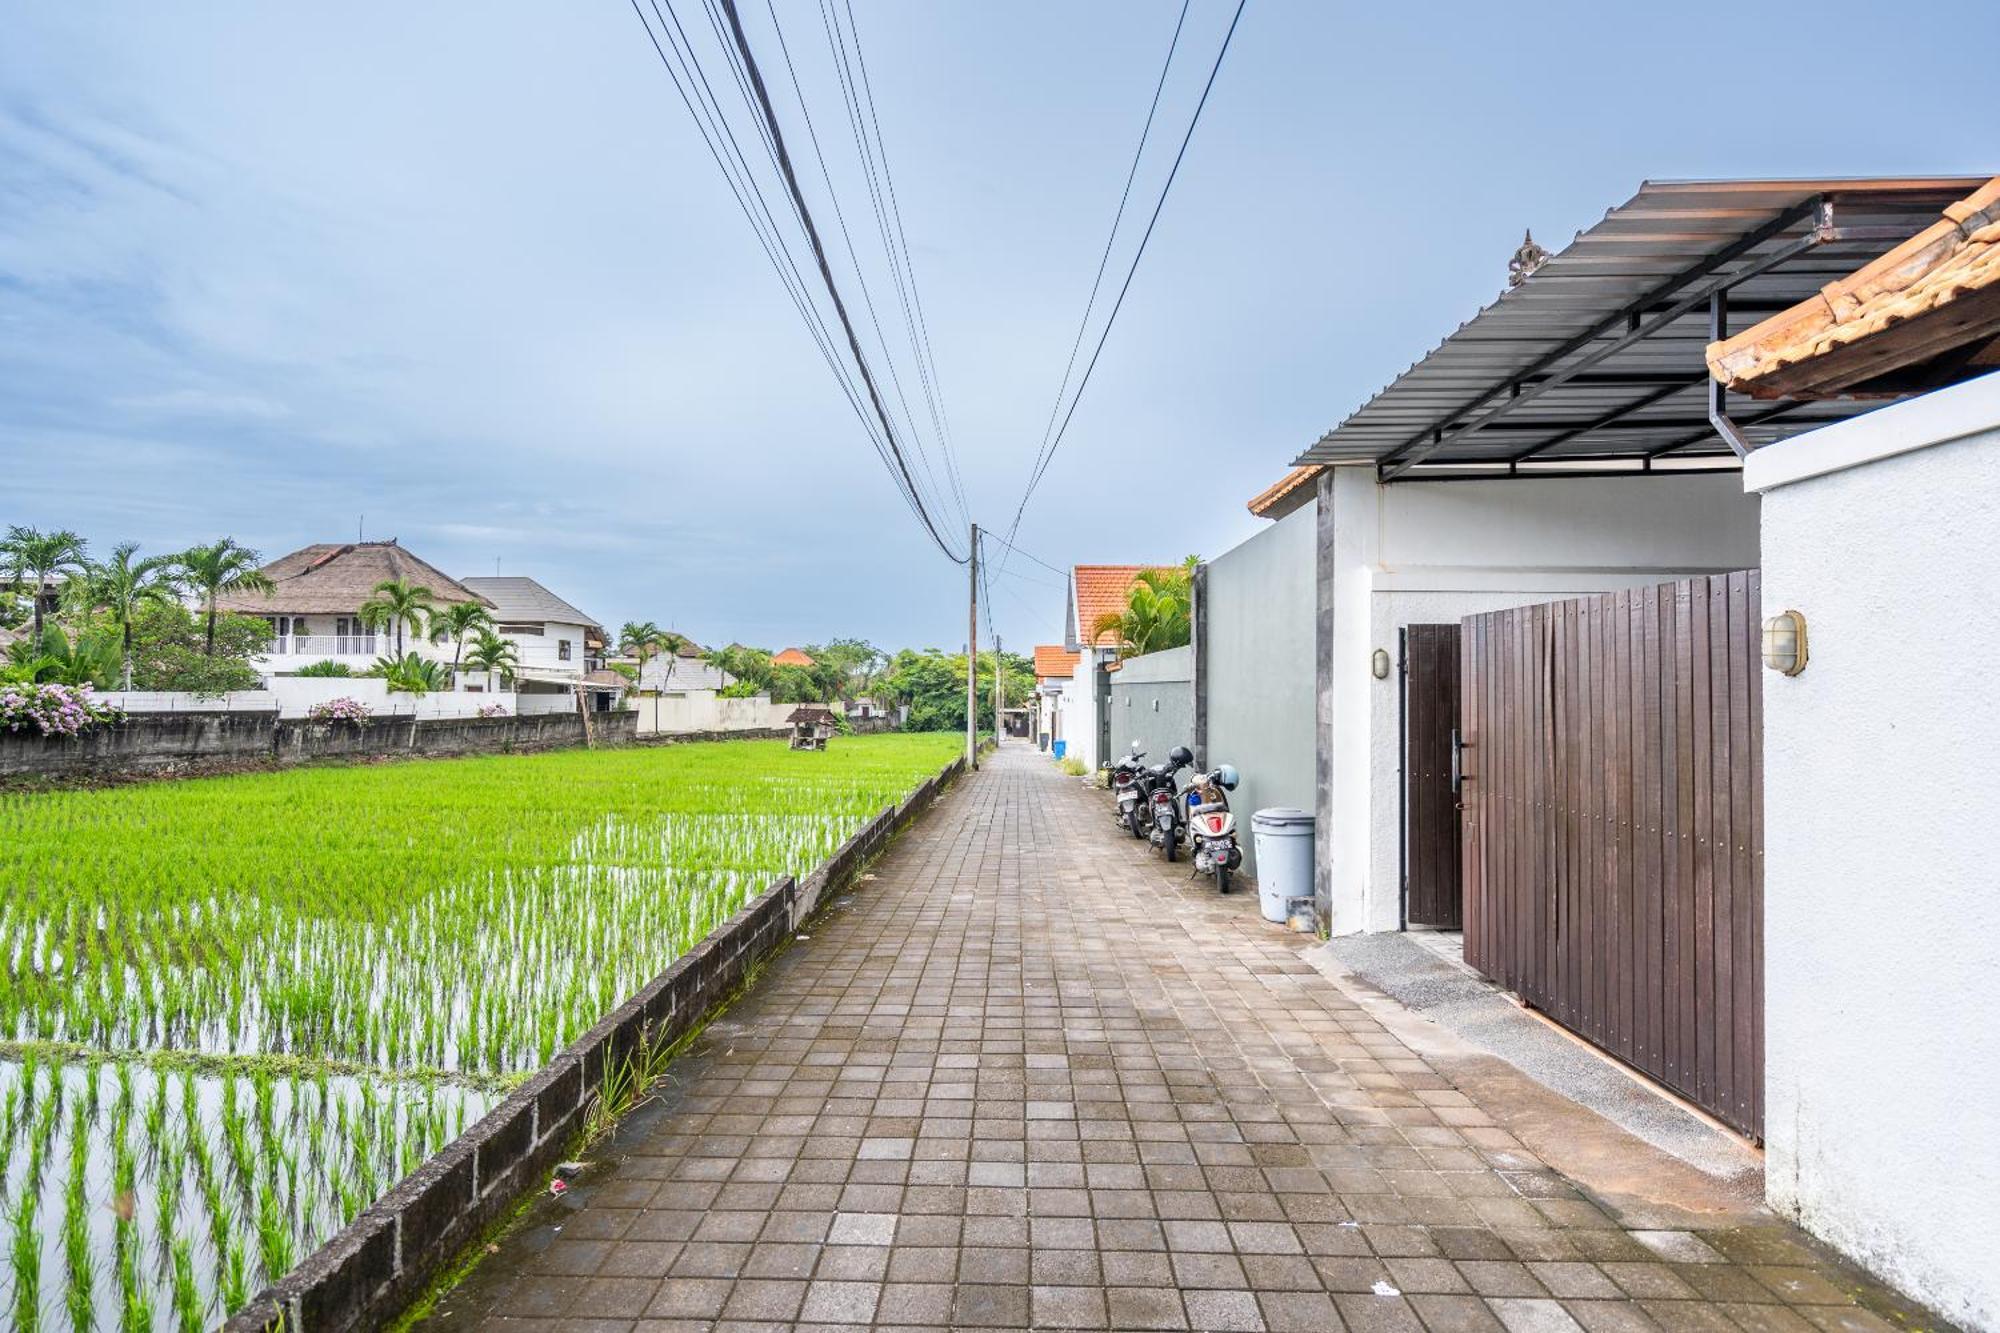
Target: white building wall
<point>1881,794</point>
<point>1417,552</point>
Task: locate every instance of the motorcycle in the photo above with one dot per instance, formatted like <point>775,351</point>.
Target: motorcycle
<point>1211,825</point>
<point>1163,799</point>
<point>1127,785</point>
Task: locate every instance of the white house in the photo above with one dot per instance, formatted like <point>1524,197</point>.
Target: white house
<point>1806,836</point>
<point>552,638</point>
<point>1055,693</point>
<point>315,602</point>
<point>1095,591</point>
<point>1881,1022</point>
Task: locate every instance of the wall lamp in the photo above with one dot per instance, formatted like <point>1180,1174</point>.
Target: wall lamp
<point>1379,663</point>
<point>1785,643</point>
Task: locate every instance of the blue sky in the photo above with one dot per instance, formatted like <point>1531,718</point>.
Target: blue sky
<point>469,272</point>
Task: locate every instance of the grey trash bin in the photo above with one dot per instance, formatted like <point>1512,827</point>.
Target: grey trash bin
<point>1284,858</point>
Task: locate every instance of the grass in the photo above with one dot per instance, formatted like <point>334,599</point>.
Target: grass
<point>234,1011</point>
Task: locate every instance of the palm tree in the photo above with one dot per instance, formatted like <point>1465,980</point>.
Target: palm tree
<point>455,622</point>
<point>220,567</point>
<point>34,557</point>
<point>120,587</point>
<point>397,603</point>
<point>1157,612</point>
<point>491,653</point>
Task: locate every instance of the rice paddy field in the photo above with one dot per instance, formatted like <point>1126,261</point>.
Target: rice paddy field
<point>234,1011</point>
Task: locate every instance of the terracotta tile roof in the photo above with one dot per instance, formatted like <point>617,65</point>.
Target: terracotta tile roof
<point>335,578</point>
<point>1055,662</point>
<point>1271,498</point>
<point>1100,590</point>
<point>1937,292</point>
<point>791,657</point>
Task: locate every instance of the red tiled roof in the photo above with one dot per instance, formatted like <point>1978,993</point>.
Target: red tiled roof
<point>791,657</point>
<point>1055,662</point>
<point>1269,498</point>
<point>1102,590</point>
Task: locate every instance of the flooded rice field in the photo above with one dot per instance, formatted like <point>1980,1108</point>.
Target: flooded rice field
<point>234,1011</point>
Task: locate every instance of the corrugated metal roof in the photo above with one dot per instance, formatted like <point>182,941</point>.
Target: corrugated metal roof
<point>1599,355</point>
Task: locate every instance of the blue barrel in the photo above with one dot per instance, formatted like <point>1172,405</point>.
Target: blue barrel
<point>1060,748</point>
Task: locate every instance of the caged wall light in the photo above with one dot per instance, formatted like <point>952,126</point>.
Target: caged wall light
<point>1785,643</point>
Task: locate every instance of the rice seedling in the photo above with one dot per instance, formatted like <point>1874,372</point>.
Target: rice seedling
<point>306,982</point>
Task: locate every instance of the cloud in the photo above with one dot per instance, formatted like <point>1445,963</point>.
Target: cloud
<point>207,403</point>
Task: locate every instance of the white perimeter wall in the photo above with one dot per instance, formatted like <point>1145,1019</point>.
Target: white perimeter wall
<point>704,711</point>
<point>294,696</point>
<point>1881,798</point>
<point>1417,552</point>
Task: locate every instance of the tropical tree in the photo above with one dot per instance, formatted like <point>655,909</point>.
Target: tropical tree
<point>491,653</point>
<point>411,673</point>
<point>53,658</point>
<point>220,567</point>
<point>119,587</point>
<point>747,666</point>
<point>34,557</point>
<point>457,621</point>
<point>1157,613</point>
<point>395,604</point>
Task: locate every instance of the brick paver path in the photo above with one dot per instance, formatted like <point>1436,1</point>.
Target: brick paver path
<point>1028,1075</point>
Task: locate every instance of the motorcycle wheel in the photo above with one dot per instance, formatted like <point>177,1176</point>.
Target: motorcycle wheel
<point>1221,878</point>
<point>1173,845</point>
<point>1132,824</point>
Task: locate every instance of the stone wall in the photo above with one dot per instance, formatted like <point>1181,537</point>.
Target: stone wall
<point>398,1245</point>
<point>149,743</point>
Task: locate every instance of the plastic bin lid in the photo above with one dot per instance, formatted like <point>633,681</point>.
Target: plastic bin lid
<point>1281,816</point>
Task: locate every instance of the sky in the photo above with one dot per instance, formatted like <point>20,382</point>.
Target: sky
<point>466,276</point>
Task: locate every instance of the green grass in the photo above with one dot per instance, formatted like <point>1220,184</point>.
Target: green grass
<point>253,1002</point>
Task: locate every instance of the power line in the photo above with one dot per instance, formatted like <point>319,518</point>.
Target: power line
<point>1104,259</point>
<point>1008,543</point>
<point>854,258</point>
<point>716,133</point>
<point>1111,320</point>
<point>698,95</point>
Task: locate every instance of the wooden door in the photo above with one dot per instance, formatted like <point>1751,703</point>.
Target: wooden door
<point>1431,852</point>
<point>1613,837</point>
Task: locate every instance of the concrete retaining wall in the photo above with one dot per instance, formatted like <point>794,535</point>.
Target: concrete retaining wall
<point>146,743</point>
<point>398,1245</point>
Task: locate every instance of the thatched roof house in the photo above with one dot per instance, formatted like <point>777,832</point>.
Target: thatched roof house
<point>335,578</point>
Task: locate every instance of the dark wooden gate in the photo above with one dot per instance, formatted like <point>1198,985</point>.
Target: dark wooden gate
<point>1430,721</point>
<point>1613,826</point>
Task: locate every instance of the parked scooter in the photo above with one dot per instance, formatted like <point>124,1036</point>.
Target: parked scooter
<point>1211,826</point>
<point>1163,799</point>
<point>1127,785</point>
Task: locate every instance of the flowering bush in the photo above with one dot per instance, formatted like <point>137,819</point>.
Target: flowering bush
<point>343,709</point>
<point>53,710</point>
<point>494,710</point>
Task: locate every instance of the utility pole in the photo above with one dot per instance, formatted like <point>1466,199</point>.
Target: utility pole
<point>999,693</point>
<point>972,659</point>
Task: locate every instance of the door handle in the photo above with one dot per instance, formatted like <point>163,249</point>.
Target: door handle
<point>1459,745</point>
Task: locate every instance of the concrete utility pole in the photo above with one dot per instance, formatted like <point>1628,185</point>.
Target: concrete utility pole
<point>999,695</point>
<point>972,659</point>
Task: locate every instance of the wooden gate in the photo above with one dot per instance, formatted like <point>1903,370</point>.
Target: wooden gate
<point>1430,724</point>
<point>1613,826</point>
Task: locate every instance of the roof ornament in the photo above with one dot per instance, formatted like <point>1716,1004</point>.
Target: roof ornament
<point>1526,260</point>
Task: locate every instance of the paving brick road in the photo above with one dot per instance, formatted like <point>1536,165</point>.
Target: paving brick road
<point>1028,1075</point>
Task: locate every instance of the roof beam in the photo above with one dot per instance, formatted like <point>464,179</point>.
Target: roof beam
<point>1514,392</point>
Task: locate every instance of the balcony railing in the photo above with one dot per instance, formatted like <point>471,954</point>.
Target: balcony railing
<point>330,645</point>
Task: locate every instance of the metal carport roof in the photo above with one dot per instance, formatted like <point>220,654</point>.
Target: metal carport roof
<point>1595,362</point>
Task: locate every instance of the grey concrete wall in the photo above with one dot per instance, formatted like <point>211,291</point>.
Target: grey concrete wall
<point>1152,702</point>
<point>148,743</point>
<point>1257,623</point>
